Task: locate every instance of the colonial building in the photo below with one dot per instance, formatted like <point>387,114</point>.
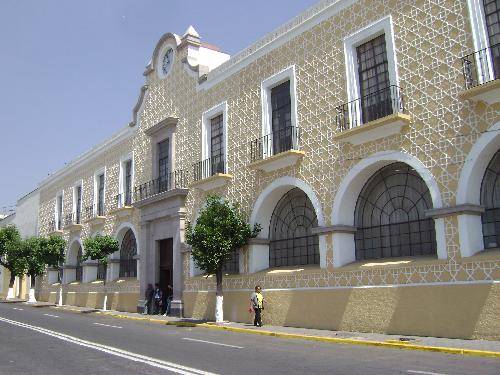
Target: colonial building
<point>363,136</point>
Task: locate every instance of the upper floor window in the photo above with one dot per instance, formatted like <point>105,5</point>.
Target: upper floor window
<point>100,194</point>
<point>128,182</point>
<point>77,204</point>
<point>59,212</point>
<point>217,144</point>
<point>163,164</point>
<point>492,17</point>
<point>124,198</point>
<point>372,79</point>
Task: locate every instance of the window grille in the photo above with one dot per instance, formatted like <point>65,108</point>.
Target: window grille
<point>490,199</point>
<point>373,73</point>
<point>78,204</point>
<point>128,183</point>
<point>291,240</point>
<point>79,268</point>
<point>281,107</point>
<point>217,145</point>
<point>163,164</point>
<point>390,218</point>
<point>100,196</point>
<point>128,251</point>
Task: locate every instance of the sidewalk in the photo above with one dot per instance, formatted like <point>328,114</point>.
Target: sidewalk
<point>484,348</point>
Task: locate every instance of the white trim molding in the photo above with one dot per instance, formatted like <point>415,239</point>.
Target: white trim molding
<point>383,26</point>
<point>263,210</point>
<point>345,200</point>
<point>206,118</point>
<point>287,74</point>
<point>469,189</point>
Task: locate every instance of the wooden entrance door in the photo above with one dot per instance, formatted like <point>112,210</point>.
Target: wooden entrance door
<point>166,265</point>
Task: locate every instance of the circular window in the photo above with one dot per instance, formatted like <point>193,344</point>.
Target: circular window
<point>166,60</point>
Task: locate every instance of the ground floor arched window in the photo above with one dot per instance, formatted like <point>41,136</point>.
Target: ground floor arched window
<point>490,200</point>
<point>291,240</point>
<point>128,251</point>
<point>390,215</point>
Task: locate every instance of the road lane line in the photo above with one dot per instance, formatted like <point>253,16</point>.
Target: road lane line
<point>424,372</point>
<point>213,343</point>
<point>17,308</point>
<point>165,365</point>
<point>106,325</point>
<point>52,316</point>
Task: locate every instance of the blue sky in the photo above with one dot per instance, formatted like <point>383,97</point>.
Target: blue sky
<point>70,71</point>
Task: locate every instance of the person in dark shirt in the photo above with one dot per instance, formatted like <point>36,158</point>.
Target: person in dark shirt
<point>148,300</point>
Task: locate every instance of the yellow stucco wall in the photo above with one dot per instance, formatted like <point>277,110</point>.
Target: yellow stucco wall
<point>457,311</point>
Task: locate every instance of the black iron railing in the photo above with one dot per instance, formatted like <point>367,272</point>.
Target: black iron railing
<point>128,267</point>
<point>209,167</point>
<point>481,66</point>
<point>72,218</point>
<point>92,212</point>
<point>101,271</point>
<point>55,225</point>
<point>274,143</point>
<point>122,200</point>
<point>370,107</point>
<point>174,180</point>
<point>79,272</point>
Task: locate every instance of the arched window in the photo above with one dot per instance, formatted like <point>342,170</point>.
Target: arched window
<point>79,268</point>
<point>390,215</point>
<point>128,251</point>
<point>490,199</point>
<point>291,240</point>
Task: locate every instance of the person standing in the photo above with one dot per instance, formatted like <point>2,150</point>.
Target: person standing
<point>148,298</point>
<point>257,301</point>
<point>157,296</point>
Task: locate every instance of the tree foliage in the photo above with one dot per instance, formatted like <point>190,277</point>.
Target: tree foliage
<point>220,230</point>
<point>41,252</point>
<point>12,251</point>
<point>99,248</point>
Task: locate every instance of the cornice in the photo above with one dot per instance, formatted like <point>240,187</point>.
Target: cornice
<point>299,24</point>
<point>138,105</point>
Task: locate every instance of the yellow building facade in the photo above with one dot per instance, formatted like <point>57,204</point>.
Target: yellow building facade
<point>362,136</point>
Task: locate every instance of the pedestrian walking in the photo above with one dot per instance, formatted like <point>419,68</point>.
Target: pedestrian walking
<point>167,300</point>
<point>157,299</point>
<point>148,300</point>
<point>257,303</point>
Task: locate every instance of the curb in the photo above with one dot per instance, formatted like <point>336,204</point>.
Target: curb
<point>332,340</point>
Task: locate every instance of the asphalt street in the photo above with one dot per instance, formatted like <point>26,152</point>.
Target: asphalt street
<point>51,341</point>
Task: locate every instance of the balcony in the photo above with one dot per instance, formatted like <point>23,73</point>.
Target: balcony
<point>374,116</point>
<point>276,150</point>
<point>55,227</point>
<point>72,222</point>
<point>160,188</point>
<point>210,173</point>
<point>481,71</point>
<point>95,215</point>
<point>122,205</point>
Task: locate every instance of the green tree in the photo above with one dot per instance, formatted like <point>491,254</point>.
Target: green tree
<point>99,248</point>
<point>12,254</point>
<point>40,252</point>
<point>220,230</point>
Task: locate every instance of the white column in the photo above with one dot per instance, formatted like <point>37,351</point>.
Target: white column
<point>258,256</point>
<point>113,272</point>
<point>344,250</point>
<point>470,230</point>
<point>89,271</point>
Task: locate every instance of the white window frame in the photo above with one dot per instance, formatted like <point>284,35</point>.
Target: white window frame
<point>287,74</point>
<point>121,183</point>
<point>206,124</point>
<point>96,190</point>
<point>480,38</point>
<point>380,27</point>
<point>56,212</point>
<point>75,198</point>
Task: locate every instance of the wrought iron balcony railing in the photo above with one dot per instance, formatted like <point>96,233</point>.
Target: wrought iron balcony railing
<point>208,167</point>
<point>122,200</point>
<point>369,108</point>
<point>72,218</point>
<point>274,143</point>
<point>55,225</point>
<point>174,180</point>
<point>93,211</point>
<point>481,66</point>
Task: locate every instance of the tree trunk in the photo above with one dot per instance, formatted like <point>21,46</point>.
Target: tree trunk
<point>10,294</point>
<point>105,303</point>
<point>219,312</point>
<point>31,298</point>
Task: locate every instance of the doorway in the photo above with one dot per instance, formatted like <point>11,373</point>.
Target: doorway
<point>166,265</point>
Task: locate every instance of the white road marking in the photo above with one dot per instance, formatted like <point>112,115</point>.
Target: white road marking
<point>17,308</point>
<point>52,316</point>
<point>106,325</point>
<point>213,343</point>
<point>170,366</point>
<point>424,372</point>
